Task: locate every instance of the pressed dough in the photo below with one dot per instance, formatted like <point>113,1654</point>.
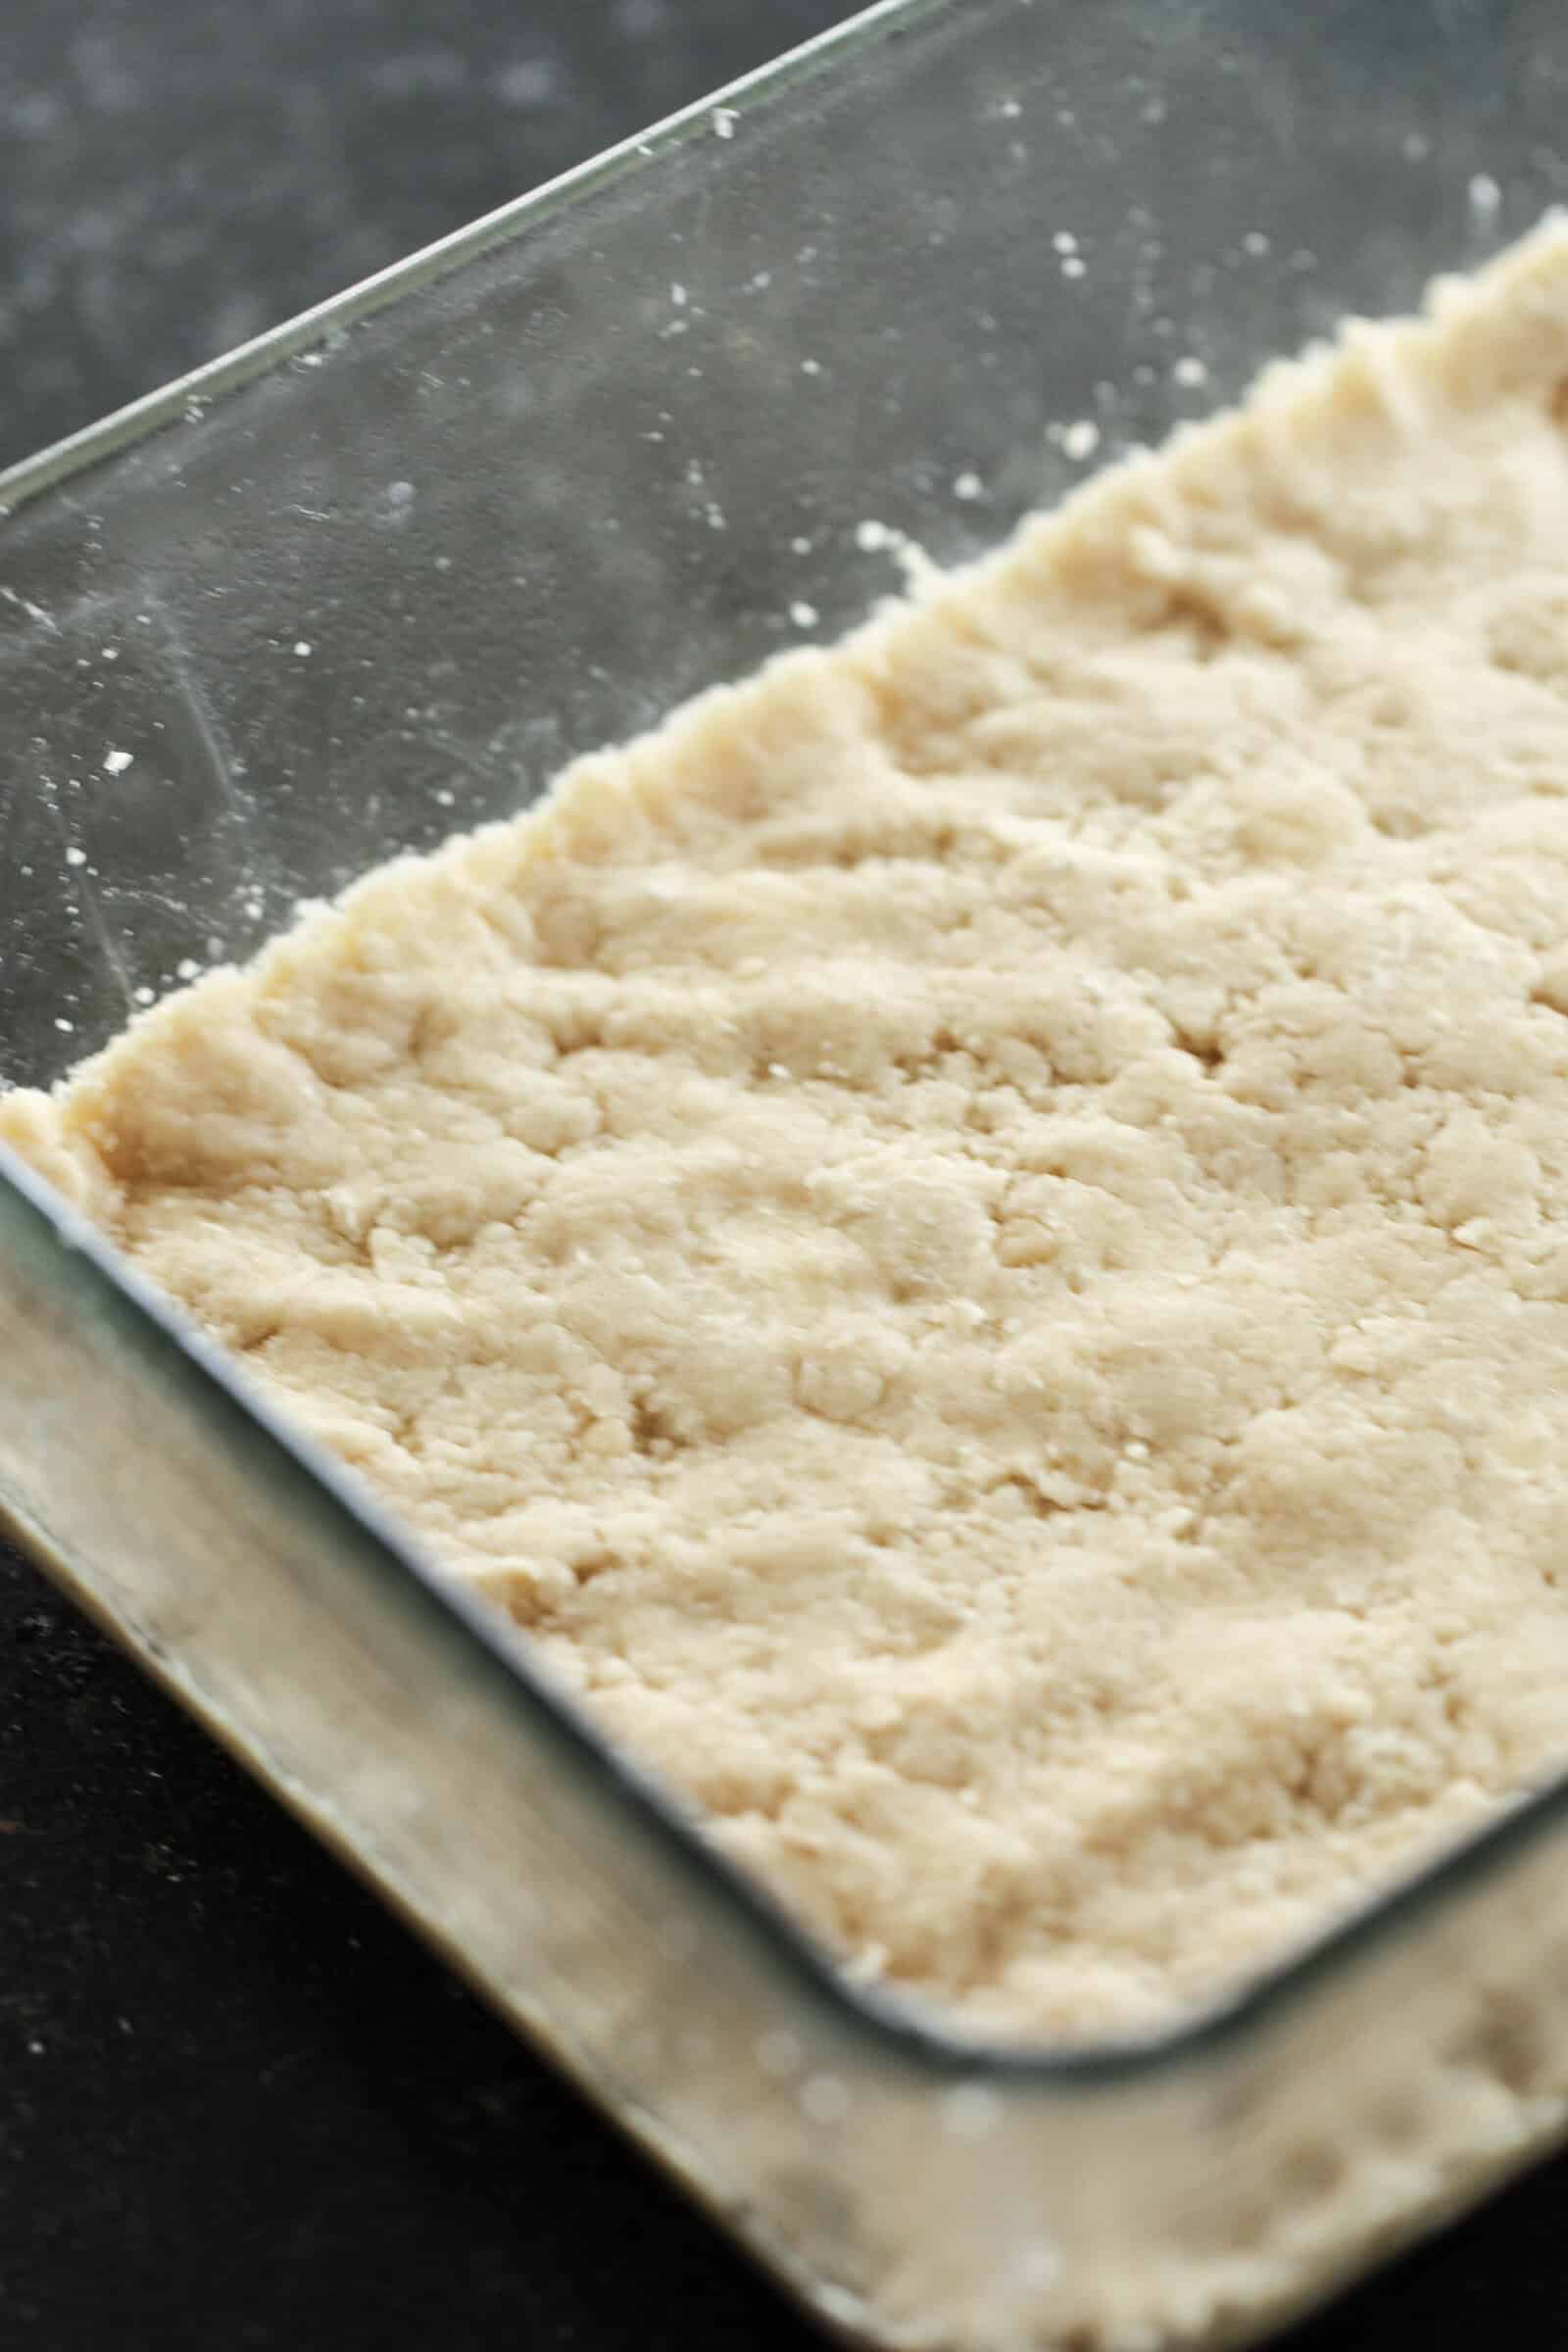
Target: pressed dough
<point>973,1237</point>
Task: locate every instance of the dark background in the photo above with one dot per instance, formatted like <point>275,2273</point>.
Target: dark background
<point>238,2106</point>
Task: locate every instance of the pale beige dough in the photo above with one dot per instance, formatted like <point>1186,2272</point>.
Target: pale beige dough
<point>973,1237</point>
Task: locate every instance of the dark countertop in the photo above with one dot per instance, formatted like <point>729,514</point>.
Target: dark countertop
<point>238,2105</point>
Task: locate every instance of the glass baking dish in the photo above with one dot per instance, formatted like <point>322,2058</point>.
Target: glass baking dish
<point>379,574</point>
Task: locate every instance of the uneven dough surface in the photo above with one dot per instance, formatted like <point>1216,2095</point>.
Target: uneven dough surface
<point>973,1237</point>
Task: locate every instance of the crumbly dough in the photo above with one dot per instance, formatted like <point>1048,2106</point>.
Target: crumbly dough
<point>974,1236</point>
